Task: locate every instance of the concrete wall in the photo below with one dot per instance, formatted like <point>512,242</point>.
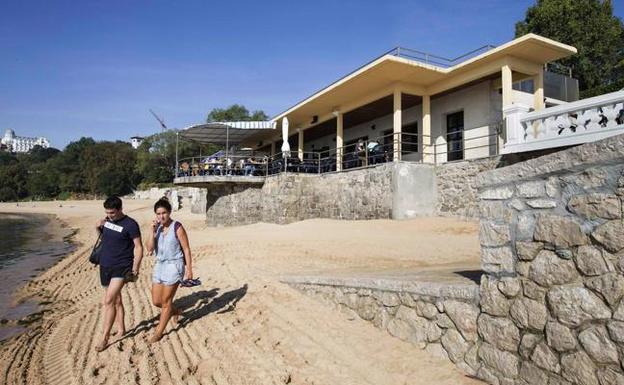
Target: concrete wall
<point>188,196</point>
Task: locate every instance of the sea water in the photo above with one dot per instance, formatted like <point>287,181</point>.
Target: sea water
<point>29,244</point>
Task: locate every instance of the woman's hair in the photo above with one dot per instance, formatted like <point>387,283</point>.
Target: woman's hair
<point>164,203</point>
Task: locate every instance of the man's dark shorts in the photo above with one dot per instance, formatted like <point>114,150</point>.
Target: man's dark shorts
<point>108,273</point>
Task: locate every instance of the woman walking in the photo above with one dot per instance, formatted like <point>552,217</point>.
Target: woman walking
<point>169,243</point>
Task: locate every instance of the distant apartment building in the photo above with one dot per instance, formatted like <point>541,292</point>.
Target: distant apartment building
<point>13,143</point>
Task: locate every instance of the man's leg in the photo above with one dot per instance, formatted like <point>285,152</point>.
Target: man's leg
<point>168,310</point>
<point>112,291</point>
<point>119,316</point>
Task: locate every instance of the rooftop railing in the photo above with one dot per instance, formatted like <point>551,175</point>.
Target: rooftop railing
<point>436,60</point>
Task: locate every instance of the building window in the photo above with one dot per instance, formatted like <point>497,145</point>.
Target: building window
<point>455,136</point>
<point>409,138</point>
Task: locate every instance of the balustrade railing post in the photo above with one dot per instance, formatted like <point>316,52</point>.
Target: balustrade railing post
<point>513,126</point>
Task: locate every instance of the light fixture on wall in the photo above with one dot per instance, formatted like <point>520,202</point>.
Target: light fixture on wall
<point>373,127</point>
<point>314,119</point>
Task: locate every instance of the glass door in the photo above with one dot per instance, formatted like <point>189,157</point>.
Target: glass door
<point>455,136</point>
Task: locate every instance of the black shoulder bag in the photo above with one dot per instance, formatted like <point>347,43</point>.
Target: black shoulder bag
<point>94,258</point>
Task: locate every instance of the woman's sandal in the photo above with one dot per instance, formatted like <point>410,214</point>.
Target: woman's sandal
<point>190,282</point>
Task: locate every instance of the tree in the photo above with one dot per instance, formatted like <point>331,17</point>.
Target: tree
<point>591,27</point>
<point>235,113</point>
<point>109,168</point>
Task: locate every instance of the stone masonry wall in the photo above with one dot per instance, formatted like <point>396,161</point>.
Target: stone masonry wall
<point>552,237</point>
<point>288,197</point>
<point>444,325</point>
<point>457,187</point>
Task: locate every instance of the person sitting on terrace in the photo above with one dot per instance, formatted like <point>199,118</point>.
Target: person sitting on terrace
<point>250,167</point>
<point>360,148</point>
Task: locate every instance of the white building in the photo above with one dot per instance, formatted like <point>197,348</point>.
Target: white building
<point>136,141</point>
<point>15,143</point>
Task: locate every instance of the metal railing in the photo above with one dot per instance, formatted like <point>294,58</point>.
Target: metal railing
<point>440,61</point>
<point>361,154</point>
<point>232,165</point>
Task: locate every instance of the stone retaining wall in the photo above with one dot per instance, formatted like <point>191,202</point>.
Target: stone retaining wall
<point>288,197</point>
<point>457,187</point>
<point>444,325</point>
<point>552,238</point>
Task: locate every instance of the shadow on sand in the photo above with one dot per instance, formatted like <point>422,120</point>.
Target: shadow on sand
<point>473,275</point>
<point>193,307</point>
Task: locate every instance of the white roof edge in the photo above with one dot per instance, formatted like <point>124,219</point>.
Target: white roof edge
<point>541,39</point>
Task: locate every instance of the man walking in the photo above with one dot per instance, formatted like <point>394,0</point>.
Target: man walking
<point>120,260</point>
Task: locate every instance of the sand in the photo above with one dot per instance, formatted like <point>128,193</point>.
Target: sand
<point>242,326</point>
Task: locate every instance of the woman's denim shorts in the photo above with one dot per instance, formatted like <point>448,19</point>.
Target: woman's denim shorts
<point>168,272</point>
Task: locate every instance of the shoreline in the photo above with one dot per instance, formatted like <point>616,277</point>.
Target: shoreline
<point>22,308</point>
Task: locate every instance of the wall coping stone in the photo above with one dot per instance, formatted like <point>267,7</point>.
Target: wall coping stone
<point>465,291</point>
<point>609,150</point>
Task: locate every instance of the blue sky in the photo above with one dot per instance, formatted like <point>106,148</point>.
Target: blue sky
<point>95,68</point>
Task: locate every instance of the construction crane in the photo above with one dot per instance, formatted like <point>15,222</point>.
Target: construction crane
<point>162,122</point>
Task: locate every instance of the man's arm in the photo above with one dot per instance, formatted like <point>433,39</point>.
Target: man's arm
<point>138,254</point>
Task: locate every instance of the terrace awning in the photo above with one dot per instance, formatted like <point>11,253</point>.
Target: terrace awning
<point>229,133</point>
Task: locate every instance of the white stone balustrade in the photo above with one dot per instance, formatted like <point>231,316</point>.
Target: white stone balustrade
<point>568,124</point>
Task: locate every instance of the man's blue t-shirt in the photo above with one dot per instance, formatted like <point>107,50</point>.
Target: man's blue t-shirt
<point>117,242</point>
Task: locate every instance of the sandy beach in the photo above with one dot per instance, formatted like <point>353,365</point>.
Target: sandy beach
<point>242,326</point>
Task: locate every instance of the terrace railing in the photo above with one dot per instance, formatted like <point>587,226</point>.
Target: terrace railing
<point>233,165</point>
<point>568,124</point>
<point>366,153</point>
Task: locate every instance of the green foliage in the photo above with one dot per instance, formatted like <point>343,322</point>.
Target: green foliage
<point>90,168</point>
<point>235,113</point>
<point>591,27</point>
<point>7,194</point>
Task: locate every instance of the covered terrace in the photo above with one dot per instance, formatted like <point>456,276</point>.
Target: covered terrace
<point>232,164</point>
<point>416,106</point>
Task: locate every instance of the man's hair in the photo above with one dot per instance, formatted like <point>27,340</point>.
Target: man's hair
<point>112,203</point>
<point>164,203</point>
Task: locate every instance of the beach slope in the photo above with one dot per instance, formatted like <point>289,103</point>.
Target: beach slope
<point>242,326</point>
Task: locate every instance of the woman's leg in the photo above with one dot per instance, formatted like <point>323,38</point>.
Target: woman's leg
<point>168,310</point>
<point>157,292</point>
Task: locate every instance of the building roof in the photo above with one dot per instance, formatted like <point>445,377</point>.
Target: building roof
<point>231,132</point>
<point>417,77</point>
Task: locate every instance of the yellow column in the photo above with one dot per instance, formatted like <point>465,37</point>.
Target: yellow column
<point>339,141</point>
<point>538,96</point>
<point>426,130</point>
<point>506,83</point>
<point>397,124</point>
<point>300,146</point>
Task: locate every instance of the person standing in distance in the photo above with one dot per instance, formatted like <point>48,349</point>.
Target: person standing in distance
<point>120,260</point>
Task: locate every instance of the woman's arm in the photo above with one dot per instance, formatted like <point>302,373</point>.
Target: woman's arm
<point>151,244</point>
<point>186,249</point>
